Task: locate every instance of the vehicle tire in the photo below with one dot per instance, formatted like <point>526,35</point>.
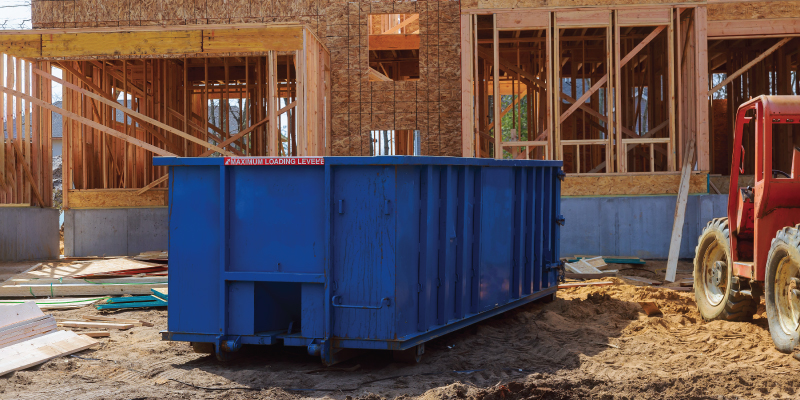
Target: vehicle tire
<point>782,289</point>
<point>408,356</point>
<point>715,292</point>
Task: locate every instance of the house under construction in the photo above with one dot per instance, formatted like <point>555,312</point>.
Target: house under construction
<point>625,93</point>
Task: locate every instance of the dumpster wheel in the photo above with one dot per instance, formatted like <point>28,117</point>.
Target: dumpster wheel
<point>409,356</point>
<point>203,347</point>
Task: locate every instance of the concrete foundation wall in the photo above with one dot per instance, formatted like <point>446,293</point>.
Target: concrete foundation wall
<point>28,233</point>
<point>115,232</point>
<point>634,226</point>
<point>623,226</point>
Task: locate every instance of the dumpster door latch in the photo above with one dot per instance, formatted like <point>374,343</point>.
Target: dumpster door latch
<point>337,302</point>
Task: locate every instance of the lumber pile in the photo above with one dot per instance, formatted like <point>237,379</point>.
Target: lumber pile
<point>95,277</point>
<point>28,337</point>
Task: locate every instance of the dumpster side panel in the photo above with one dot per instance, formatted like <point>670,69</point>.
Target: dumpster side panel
<point>408,245</point>
<point>194,212</point>
<point>496,237</point>
<point>277,219</point>
<point>363,259</point>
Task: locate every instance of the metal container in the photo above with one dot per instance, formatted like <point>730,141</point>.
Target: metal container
<point>345,253</point>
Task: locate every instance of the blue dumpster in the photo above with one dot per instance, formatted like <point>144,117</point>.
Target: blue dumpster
<point>340,254</point>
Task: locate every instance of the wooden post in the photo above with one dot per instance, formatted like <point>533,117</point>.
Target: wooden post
<point>272,103</point>
<point>467,96</point>
<point>498,125</point>
<point>680,213</point>
<point>701,65</point>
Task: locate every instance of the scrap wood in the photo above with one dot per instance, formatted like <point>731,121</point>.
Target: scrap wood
<point>574,285</point>
<point>687,282</point>
<point>137,322</point>
<point>88,289</point>
<point>94,334</point>
<point>650,308</point>
<point>56,304</point>
<point>590,276</point>
<point>42,348</point>
<point>611,259</point>
<point>20,322</point>
<point>640,279</point>
<point>583,267</point>
<point>108,267</point>
<point>94,324</point>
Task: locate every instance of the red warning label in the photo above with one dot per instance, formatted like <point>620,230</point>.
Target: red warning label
<point>274,161</point>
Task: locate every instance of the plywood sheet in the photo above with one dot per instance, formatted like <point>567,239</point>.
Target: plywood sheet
<point>121,43</point>
<point>523,19</point>
<point>738,28</point>
<point>111,198</point>
<point>257,39</point>
<point>21,45</point>
<point>644,17</point>
<point>583,18</point>
<point>621,185</point>
<point>754,10</point>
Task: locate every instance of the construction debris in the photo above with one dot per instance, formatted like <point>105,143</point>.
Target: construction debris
<point>612,259</point>
<point>586,266</point>
<point>28,337</point>
<point>94,324</point>
<point>134,322</point>
<point>650,308</point>
<point>57,304</point>
<point>101,277</point>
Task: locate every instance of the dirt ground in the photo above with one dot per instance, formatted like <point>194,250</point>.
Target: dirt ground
<point>591,342</point>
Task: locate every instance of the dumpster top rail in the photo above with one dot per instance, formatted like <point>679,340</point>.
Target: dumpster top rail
<point>375,160</point>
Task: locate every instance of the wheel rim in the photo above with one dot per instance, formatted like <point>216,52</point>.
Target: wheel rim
<point>787,290</point>
<point>715,273</point>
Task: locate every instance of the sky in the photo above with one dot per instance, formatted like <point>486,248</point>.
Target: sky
<point>15,14</point>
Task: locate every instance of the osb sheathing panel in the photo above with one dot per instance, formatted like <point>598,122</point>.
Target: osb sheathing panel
<point>117,198</point>
<point>639,184</point>
<point>754,10</point>
<point>471,4</point>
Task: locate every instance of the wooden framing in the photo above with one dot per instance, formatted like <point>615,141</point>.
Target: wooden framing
<point>614,41</point>
<point>176,41</point>
<point>149,100</point>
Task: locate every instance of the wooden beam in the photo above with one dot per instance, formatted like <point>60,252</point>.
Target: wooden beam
<point>21,45</point>
<point>498,129</point>
<point>680,213</point>
<point>280,38</point>
<point>394,42</point>
<point>121,43</point>
<point>401,25</point>
<point>90,123</point>
<point>152,184</point>
<point>749,65</point>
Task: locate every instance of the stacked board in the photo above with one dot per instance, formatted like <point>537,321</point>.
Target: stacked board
<point>28,338</point>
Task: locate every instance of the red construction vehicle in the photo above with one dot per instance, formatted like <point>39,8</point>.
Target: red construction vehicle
<point>756,249</point>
